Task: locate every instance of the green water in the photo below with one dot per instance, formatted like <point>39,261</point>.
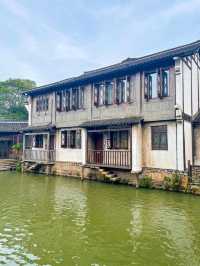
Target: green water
<point>61,221</point>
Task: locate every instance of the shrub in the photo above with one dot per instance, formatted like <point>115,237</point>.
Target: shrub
<point>145,182</point>
<point>172,182</point>
<point>167,183</point>
<point>18,167</point>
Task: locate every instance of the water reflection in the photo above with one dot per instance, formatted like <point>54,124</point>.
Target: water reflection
<point>70,201</point>
<point>60,221</point>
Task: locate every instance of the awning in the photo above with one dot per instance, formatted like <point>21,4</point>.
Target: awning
<point>110,123</point>
<point>37,129</point>
<point>12,126</point>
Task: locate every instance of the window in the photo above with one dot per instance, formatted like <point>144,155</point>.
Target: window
<point>42,103</point>
<point>165,83</point>
<point>38,141</point>
<point>119,139</point>
<point>28,141</point>
<point>159,138</point>
<point>120,90</point>
<point>80,98</point>
<point>74,98</point>
<point>58,101</point>
<point>101,94</point>
<point>156,84</point>
<point>109,92</point>
<point>152,85</point>
<point>71,139</point>
<point>123,90</point>
<point>70,99</point>
<point>46,104</point>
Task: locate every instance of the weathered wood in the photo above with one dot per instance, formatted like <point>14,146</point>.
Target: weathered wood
<point>112,158</point>
<point>39,155</point>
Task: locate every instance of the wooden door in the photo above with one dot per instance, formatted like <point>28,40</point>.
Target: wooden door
<point>98,148</point>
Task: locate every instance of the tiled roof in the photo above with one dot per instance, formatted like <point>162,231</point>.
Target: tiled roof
<point>43,128</point>
<point>111,122</point>
<point>128,64</point>
<point>12,126</point>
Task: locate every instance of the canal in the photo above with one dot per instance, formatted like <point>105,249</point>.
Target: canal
<point>61,221</point>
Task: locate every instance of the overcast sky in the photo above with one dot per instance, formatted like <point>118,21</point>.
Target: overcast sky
<point>50,40</point>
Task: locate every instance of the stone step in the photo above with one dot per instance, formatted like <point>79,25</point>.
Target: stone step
<point>195,183</point>
<point>6,169</point>
<point>115,179</point>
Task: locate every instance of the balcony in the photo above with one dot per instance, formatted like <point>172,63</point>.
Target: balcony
<point>39,155</point>
<point>109,158</point>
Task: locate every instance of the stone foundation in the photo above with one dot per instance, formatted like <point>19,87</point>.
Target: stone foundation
<point>187,183</point>
<point>67,169</point>
<point>158,174</point>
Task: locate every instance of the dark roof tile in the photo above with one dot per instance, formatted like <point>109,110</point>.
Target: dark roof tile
<point>12,126</point>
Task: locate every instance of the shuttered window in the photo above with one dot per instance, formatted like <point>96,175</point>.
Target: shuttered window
<point>109,85</point>
<point>70,99</point>
<point>42,104</point>
<point>156,84</point>
<point>58,101</point>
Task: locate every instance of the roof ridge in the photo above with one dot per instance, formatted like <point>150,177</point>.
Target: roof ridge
<point>125,63</point>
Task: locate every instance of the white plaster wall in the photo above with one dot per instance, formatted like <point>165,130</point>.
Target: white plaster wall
<point>194,87</point>
<point>136,148</point>
<point>179,92</point>
<point>159,158</point>
<point>29,110</point>
<point>68,155</point>
<point>187,89</point>
<point>188,142</point>
<point>180,157</point>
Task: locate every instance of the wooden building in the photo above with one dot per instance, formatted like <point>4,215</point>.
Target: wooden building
<point>137,115</point>
<point>10,134</point>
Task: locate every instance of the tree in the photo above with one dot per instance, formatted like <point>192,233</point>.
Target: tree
<point>12,103</point>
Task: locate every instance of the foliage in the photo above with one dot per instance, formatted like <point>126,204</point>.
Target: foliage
<point>172,182</point>
<point>18,166</point>
<point>145,182</point>
<point>12,105</point>
<point>17,147</point>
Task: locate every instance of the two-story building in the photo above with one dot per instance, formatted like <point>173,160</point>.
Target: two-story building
<point>138,115</point>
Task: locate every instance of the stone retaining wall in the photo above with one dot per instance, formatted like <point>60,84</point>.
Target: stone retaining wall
<point>157,175</point>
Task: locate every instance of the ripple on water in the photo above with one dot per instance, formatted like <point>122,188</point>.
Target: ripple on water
<point>58,221</point>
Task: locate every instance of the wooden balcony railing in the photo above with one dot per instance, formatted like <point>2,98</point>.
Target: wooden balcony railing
<point>110,158</point>
<point>39,155</point>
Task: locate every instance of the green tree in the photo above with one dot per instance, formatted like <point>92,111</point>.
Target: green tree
<point>12,103</point>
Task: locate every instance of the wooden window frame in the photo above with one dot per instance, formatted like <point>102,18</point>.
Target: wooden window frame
<point>159,83</point>
<point>71,139</point>
<point>39,143</point>
<point>158,131</point>
<point>58,101</point>
<point>116,137</point>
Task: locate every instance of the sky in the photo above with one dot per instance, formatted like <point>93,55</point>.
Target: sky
<point>50,40</point>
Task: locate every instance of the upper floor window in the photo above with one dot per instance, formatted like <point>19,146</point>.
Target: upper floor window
<point>115,91</point>
<point>156,84</point>
<point>71,139</point>
<point>123,90</point>
<point>165,83</point>
<point>42,104</point>
<point>159,138</point>
<point>109,87</point>
<point>70,99</point>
